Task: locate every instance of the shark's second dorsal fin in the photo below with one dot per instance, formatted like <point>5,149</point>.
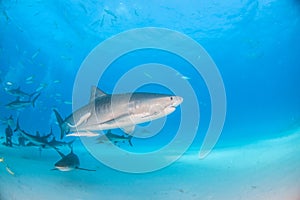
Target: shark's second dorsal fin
<point>96,93</point>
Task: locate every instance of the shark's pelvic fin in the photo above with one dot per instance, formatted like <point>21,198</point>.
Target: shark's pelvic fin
<point>128,129</point>
<point>83,133</point>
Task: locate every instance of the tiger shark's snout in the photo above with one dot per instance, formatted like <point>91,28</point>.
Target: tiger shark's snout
<point>176,101</point>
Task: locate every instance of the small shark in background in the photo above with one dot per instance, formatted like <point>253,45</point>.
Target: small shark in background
<point>19,93</point>
<point>20,104</point>
<point>40,141</point>
<point>55,143</point>
<point>50,144</point>
<point>114,138</point>
<point>107,111</point>
<point>68,162</point>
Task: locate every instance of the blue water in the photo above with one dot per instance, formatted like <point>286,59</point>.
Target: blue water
<point>254,44</point>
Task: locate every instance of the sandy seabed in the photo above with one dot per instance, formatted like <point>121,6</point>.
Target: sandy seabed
<point>268,169</point>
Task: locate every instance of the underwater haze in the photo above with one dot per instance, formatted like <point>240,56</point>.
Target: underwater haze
<point>244,114</point>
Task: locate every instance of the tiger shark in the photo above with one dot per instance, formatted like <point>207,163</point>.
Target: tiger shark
<point>110,111</point>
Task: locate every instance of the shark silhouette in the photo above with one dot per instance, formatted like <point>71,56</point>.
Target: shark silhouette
<point>68,162</point>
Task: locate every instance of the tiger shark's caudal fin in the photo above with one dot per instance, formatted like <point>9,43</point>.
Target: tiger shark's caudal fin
<point>60,122</point>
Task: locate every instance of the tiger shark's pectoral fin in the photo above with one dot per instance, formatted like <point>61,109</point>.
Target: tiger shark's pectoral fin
<point>82,119</point>
<point>127,129</point>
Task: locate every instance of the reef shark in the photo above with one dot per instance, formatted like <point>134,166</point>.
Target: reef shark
<point>19,93</point>
<point>56,143</point>
<point>20,104</point>
<point>68,162</point>
<point>110,111</point>
<point>114,138</point>
<point>41,141</point>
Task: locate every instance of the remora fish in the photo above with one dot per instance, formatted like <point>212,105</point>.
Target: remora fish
<point>114,138</point>
<point>107,111</point>
<point>68,162</point>
<point>19,104</point>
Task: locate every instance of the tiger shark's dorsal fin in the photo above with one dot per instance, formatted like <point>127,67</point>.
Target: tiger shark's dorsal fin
<point>96,93</point>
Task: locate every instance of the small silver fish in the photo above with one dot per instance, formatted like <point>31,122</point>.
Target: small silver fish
<point>35,54</point>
